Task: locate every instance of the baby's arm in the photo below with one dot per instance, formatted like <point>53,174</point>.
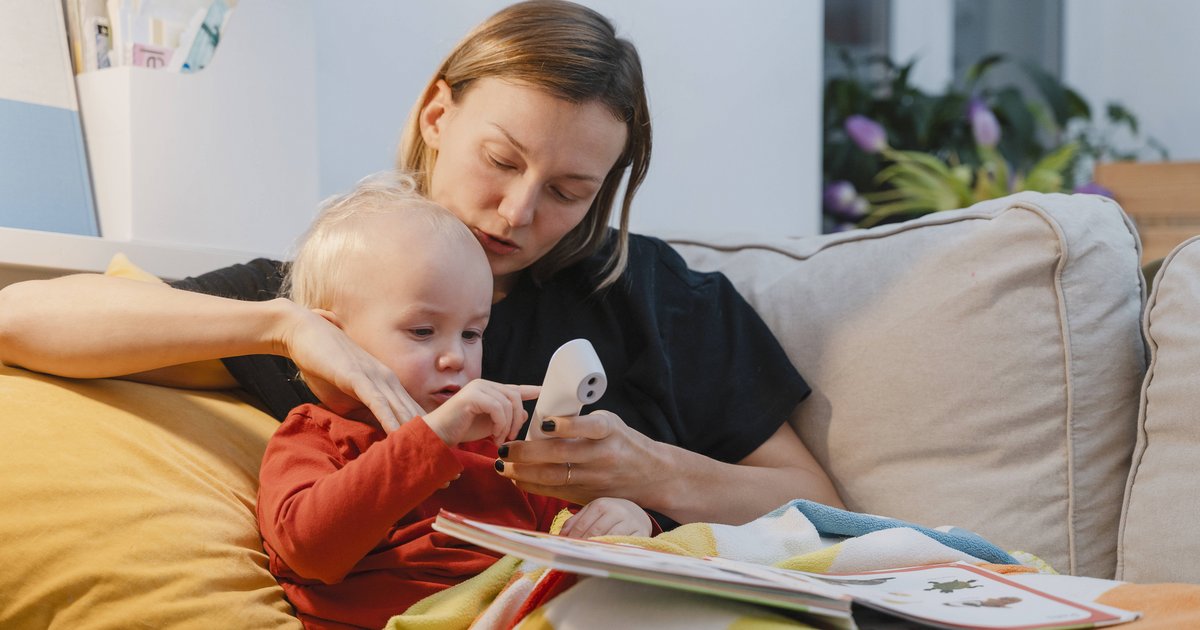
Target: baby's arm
<point>608,516</point>
<point>322,518</point>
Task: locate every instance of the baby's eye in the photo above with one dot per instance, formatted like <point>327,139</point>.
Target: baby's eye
<point>472,335</point>
<point>421,333</point>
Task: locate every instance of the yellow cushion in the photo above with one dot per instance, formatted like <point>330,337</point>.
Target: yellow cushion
<point>131,505</point>
<point>121,267</point>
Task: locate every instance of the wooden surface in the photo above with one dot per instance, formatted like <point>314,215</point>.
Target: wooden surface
<point>1163,198</point>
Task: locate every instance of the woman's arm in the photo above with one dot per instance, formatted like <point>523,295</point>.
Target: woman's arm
<point>780,470</point>
<point>90,326</point>
<point>610,459</point>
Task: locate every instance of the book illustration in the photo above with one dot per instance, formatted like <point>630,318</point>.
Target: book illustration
<point>845,582</point>
<point>951,595</point>
<point>993,602</point>
<point>952,585</point>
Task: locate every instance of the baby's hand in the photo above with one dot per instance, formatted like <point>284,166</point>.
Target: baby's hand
<point>607,516</point>
<point>482,409</point>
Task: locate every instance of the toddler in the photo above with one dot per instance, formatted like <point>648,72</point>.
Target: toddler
<point>346,509</point>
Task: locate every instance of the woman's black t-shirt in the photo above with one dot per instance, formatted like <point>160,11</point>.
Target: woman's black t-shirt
<point>688,361</point>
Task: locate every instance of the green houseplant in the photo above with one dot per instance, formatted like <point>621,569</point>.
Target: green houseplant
<point>892,151</point>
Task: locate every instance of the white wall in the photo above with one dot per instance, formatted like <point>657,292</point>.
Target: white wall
<point>1143,54</point>
<point>924,30</point>
<point>735,96</point>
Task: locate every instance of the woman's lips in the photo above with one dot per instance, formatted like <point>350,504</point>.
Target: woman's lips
<point>494,244</point>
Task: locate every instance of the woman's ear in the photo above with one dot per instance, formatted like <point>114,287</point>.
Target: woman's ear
<point>438,101</point>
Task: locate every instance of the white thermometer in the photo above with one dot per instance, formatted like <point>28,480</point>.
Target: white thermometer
<point>574,378</point>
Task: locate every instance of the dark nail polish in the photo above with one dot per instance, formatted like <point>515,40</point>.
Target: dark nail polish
<point>499,465</point>
<point>503,450</point>
<point>548,426</point>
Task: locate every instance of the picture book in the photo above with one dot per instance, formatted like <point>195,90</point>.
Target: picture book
<point>954,595</point>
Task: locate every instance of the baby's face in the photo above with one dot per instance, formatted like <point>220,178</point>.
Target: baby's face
<point>421,313</point>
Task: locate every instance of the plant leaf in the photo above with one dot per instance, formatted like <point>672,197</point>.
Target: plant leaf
<point>1117,114</point>
<point>979,68</point>
<point>1078,105</point>
<point>1052,90</point>
<point>1057,160</point>
<point>883,212</point>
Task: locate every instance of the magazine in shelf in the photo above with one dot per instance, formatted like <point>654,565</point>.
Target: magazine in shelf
<point>954,595</point>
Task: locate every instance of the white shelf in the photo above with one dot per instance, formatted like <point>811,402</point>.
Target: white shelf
<point>221,158</point>
<point>34,254</point>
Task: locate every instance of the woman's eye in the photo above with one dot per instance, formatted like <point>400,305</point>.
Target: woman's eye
<point>562,196</point>
<point>500,164</point>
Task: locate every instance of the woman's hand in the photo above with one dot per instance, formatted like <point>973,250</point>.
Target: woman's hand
<point>606,459</point>
<point>608,516</point>
<point>482,409</point>
<point>342,375</point>
<point>609,459</point>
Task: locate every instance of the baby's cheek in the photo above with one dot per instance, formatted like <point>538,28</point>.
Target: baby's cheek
<point>474,367</point>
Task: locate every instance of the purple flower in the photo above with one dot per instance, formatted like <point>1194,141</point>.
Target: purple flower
<point>866,133</point>
<point>984,125</point>
<point>842,201</point>
<point>1092,188</point>
<point>839,196</point>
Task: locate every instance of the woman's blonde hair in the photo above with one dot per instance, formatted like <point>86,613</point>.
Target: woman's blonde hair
<point>573,53</point>
<point>313,277</point>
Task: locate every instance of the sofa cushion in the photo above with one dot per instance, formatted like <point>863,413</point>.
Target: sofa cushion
<point>1162,497</point>
<point>977,367</point>
<point>130,505</point>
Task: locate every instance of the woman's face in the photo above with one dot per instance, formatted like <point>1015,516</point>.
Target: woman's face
<point>518,166</point>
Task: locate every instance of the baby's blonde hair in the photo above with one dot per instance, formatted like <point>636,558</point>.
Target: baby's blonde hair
<point>313,277</point>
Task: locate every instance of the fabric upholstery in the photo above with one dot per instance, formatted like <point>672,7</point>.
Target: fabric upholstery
<point>129,505</point>
<point>977,367</point>
<point>1162,498</point>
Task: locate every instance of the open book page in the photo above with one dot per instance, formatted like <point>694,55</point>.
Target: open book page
<point>960,595</point>
<point>956,595</point>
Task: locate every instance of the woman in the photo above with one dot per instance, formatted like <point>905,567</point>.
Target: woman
<point>525,133</point>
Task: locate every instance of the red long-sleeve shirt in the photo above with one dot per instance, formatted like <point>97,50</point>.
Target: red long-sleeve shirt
<point>346,515</point>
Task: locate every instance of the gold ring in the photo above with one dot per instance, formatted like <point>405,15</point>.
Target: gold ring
<point>568,481</point>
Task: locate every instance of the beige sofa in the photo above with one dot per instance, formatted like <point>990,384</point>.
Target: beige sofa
<point>994,368</point>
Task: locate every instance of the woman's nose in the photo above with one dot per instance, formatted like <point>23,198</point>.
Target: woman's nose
<point>519,203</point>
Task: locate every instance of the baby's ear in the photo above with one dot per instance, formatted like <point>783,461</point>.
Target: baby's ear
<point>329,316</point>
